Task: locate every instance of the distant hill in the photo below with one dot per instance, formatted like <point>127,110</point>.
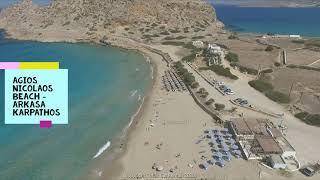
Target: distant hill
<point>96,18</point>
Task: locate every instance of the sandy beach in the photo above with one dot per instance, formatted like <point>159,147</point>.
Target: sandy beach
<point>165,131</point>
<point>166,139</point>
<point>170,125</point>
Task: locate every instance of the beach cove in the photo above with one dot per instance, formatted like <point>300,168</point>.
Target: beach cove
<point>106,88</point>
<point>166,137</point>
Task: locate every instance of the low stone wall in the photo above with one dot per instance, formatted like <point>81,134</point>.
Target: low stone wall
<point>204,107</point>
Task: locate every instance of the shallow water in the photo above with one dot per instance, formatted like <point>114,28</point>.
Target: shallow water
<point>101,102</point>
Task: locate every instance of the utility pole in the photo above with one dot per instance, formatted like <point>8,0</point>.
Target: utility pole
<point>291,89</point>
<point>259,72</point>
<point>301,94</point>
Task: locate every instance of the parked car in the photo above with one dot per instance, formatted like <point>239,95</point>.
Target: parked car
<point>220,83</point>
<point>244,102</point>
<point>311,170</point>
<point>229,92</point>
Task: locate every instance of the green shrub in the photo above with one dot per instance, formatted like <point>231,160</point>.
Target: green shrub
<point>175,38</point>
<point>278,96</point>
<point>232,57</point>
<point>210,101</point>
<point>311,119</point>
<point>244,69</point>
<point>189,58</point>
<point>301,115</point>
<point>219,107</point>
<point>304,67</point>
<point>220,70</point>
<point>189,45</point>
<point>232,36</point>
<point>154,24</point>
<point>222,46</point>
<point>174,31</point>
<point>269,48</point>
<point>297,41</point>
<point>261,85</point>
<point>267,71</point>
<point>165,33</point>
<point>313,43</point>
<point>277,64</point>
<point>267,89</point>
<point>197,37</point>
<point>173,43</point>
<point>194,85</point>
<point>187,77</point>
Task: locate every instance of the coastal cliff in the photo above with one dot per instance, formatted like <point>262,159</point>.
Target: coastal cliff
<point>74,20</point>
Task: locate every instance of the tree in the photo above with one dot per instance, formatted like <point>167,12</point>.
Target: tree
<point>219,107</point>
<point>205,94</point>
<point>189,78</point>
<point>233,36</point>
<point>202,90</point>
<point>234,109</point>
<point>210,101</point>
<point>232,57</point>
<point>269,48</point>
<point>277,64</point>
<point>194,85</point>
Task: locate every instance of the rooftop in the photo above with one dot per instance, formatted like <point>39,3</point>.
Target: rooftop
<point>250,126</point>
<point>268,144</point>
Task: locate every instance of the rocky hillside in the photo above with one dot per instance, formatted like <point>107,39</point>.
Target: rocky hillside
<point>92,19</point>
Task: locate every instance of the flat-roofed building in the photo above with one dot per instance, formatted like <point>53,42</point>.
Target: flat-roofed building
<point>268,145</point>
<point>258,138</point>
<point>240,129</point>
<point>277,162</point>
<point>248,128</point>
<point>287,149</point>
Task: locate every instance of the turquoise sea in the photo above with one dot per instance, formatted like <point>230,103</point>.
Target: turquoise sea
<point>105,85</point>
<point>303,21</point>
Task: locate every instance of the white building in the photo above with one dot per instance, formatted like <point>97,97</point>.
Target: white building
<point>215,49</point>
<point>198,44</point>
<point>277,162</point>
<point>295,36</point>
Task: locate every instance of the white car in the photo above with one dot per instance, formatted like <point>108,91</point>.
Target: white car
<point>220,83</point>
<point>229,92</point>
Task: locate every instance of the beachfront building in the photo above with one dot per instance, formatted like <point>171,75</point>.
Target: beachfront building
<point>295,36</point>
<point>259,139</point>
<point>214,49</point>
<point>198,44</point>
<point>213,54</point>
<point>292,36</point>
<point>276,162</point>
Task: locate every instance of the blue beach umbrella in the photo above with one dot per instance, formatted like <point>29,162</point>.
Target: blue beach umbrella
<point>211,162</point>
<point>227,157</point>
<point>218,154</point>
<point>225,130</point>
<point>225,148</point>
<point>234,147</point>
<point>220,162</point>
<point>220,138</point>
<point>238,152</point>
<point>231,141</point>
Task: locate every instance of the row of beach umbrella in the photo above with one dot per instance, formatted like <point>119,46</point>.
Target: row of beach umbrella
<point>223,147</point>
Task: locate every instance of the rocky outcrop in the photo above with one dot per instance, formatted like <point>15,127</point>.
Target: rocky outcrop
<point>83,19</point>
